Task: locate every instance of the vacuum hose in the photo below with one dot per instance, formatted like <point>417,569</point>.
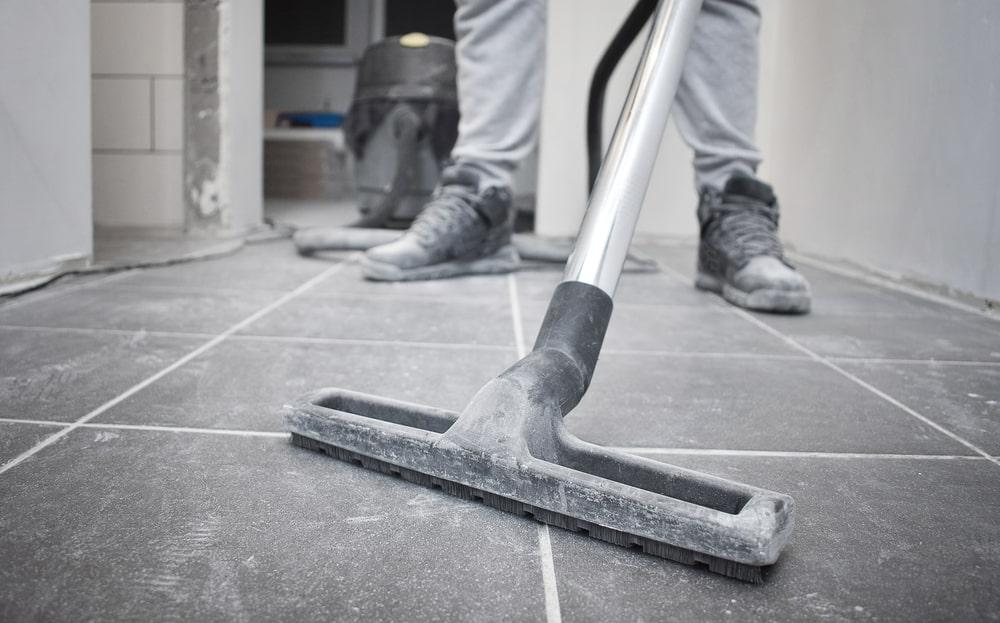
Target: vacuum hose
<point>628,32</point>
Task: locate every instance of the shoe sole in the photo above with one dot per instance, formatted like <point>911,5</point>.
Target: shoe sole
<point>503,260</point>
<point>764,299</point>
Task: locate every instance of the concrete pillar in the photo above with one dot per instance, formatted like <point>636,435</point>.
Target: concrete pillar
<point>223,66</point>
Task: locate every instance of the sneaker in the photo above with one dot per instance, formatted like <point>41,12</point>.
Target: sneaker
<point>462,230</point>
<point>740,256</point>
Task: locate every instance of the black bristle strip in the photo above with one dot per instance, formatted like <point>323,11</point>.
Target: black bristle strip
<point>729,568</point>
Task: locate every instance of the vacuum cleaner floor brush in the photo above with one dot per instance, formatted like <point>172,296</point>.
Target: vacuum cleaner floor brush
<point>510,449</point>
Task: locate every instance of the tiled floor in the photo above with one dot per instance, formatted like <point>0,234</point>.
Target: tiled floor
<point>145,475</point>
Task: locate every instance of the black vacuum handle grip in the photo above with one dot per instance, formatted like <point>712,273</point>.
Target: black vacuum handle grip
<point>575,323</point>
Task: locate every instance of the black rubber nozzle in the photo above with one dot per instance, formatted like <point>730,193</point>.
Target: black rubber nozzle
<point>574,327</point>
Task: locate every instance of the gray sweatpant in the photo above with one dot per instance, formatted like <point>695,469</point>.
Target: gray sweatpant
<point>501,60</point>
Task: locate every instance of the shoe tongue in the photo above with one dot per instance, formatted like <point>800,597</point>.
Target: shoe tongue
<point>460,176</point>
<point>750,187</point>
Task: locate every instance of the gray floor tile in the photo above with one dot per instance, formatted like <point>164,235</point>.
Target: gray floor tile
<point>893,337</point>
<point>351,281</point>
<point>744,404</point>
<point>407,319</point>
<point>136,525</point>
<point>831,293</point>
<point>16,437</point>
<point>243,383</point>
<point>988,323</point>
<point>645,288</point>
<point>106,307</point>
<point>963,399</point>
<point>272,265</point>
<point>674,329</point>
<point>120,524</point>
<point>836,294</point>
<point>895,540</point>
<point>680,256</point>
<point>62,375</point>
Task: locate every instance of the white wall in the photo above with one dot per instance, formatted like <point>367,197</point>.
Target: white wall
<point>882,134</point>
<point>44,136</point>
<point>879,124</point>
<point>578,32</point>
<point>138,110</point>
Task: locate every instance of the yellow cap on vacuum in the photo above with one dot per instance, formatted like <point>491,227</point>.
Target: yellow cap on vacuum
<point>414,40</point>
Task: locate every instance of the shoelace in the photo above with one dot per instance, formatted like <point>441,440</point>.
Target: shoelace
<point>450,210</point>
<point>750,229</point>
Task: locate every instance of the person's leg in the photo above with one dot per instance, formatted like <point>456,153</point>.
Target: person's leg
<point>466,227</point>
<point>716,105</point>
<point>740,255</point>
<point>500,51</point>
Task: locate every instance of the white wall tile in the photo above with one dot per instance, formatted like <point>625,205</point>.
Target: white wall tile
<point>121,113</point>
<point>138,190</point>
<point>168,113</point>
<point>137,38</point>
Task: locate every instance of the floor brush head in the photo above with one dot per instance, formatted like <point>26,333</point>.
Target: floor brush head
<point>746,573</point>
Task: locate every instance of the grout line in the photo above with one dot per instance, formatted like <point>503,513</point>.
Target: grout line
<point>881,394</point>
<point>249,337</point>
<point>95,331</point>
<point>708,306</point>
<point>803,357</point>
<point>473,297</point>
<point>404,296</point>
<point>515,309</point>
<point>858,381</point>
<point>926,362</point>
<point>362,342</point>
<point>151,427</point>
<point>141,287</point>
<point>553,613</point>
<point>27,298</point>
<point>700,354</point>
<point>11,420</point>
<point>638,450</point>
<point>873,314</point>
<point>315,295</point>
<point>180,362</point>
<point>793,454</point>
<point>497,347</point>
